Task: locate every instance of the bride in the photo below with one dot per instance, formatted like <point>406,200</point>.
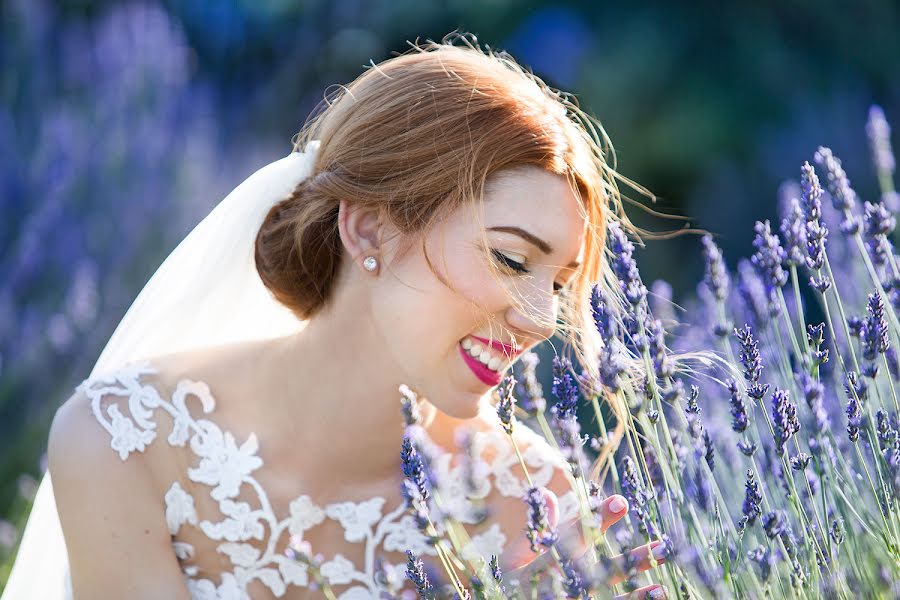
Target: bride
<point>443,214</point>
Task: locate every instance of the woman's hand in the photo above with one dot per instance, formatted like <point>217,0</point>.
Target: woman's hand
<point>610,511</point>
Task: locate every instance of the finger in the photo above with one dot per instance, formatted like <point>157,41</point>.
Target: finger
<point>650,592</point>
<point>639,557</point>
<point>612,509</point>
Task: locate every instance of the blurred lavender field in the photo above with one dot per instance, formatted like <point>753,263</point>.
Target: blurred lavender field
<point>122,124</point>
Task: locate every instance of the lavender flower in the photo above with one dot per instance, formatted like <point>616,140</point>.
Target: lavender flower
<point>879,132</point>
<point>656,336</point>
<point>739,418</point>
<point>574,582</point>
<point>762,557</point>
<point>637,496</point>
<point>751,362</point>
<point>814,394</point>
<point>496,573</point>
<point>746,447</point>
<point>886,432</point>
<point>854,417</point>
<point>752,507</point>
<point>855,386</point>
<point>874,335</point>
<point>800,462</point>
<point>538,530</point>
<point>564,389</point>
<point>878,223</point>
<point>716,278</point>
<point>624,265</point>
<point>413,468</point>
<point>816,231</point>
<point>843,198</point>
<point>507,403</point>
<point>528,390</point>
<point>603,313</point>
<point>768,260</point>
<point>878,220</point>
<point>815,335</point>
<point>415,570</point>
<point>784,419</point>
<point>793,231</point>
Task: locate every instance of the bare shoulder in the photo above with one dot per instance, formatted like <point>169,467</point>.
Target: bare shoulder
<point>111,509</point>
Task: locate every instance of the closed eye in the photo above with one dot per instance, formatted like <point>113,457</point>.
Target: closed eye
<point>518,267</point>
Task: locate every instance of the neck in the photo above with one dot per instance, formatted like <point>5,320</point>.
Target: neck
<point>341,397</point>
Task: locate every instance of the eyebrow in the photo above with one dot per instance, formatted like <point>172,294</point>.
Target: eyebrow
<point>530,237</point>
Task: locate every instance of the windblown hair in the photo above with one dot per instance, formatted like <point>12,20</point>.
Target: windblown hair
<point>418,136</point>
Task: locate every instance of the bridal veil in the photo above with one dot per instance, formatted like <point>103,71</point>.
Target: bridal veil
<point>207,292</point>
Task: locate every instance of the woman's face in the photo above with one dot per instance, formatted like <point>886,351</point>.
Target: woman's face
<point>532,223</point>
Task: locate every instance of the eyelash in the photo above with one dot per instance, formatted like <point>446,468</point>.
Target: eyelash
<point>519,267</point>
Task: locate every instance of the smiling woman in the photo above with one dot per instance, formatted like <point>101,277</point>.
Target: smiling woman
<point>444,213</point>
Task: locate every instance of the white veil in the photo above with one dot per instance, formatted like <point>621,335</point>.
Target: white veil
<point>207,292</point>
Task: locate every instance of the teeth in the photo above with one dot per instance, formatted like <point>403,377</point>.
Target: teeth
<point>484,355</point>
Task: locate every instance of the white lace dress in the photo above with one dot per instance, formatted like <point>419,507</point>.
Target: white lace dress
<point>249,533</point>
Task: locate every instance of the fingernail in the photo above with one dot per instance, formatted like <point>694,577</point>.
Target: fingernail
<point>657,593</point>
<point>617,504</point>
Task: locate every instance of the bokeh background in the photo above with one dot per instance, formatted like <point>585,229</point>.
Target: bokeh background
<point>123,123</point>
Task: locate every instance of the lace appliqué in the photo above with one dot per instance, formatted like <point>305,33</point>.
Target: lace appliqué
<point>226,466</point>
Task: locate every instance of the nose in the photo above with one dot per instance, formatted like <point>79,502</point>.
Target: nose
<point>534,315</point>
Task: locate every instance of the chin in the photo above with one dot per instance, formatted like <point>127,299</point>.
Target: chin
<point>466,405</point>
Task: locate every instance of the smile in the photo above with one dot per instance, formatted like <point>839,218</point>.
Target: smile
<point>487,363</point>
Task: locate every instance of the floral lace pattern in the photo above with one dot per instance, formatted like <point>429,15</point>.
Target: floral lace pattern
<point>226,466</point>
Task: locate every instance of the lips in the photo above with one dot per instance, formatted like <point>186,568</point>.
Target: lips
<point>509,351</point>
<point>484,374</point>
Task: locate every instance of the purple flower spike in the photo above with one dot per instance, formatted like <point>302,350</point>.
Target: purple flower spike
<point>816,232</point>
<point>739,418</point>
<point>854,418</point>
<point>656,335</point>
<point>413,467</point>
<point>879,132</point>
<point>507,403</point>
<point>877,323</point>
<point>784,419</point>
<point>751,362</point>
<point>752,501</point>
<point>815,335</point>
<point>769,257</point>
<point>538,531</point>
<point>878,220</point>
<point>886,432</point>
<point>625,266</point>
<point>604,318</point>
<point>528,389</point>
<point>637,496</point>
<point>564,389</point>
<point>843,198</point>
<point>716,278</point>
<point>814,394</point>
<point>415,570</point>
<point>793,230</point>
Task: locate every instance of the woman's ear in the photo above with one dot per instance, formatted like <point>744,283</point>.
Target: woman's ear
<point>360,229</point>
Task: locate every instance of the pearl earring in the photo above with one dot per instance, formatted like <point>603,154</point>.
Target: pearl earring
<point>371,263</point>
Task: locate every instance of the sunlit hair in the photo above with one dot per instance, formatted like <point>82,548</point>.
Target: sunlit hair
<point>419,136</point>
